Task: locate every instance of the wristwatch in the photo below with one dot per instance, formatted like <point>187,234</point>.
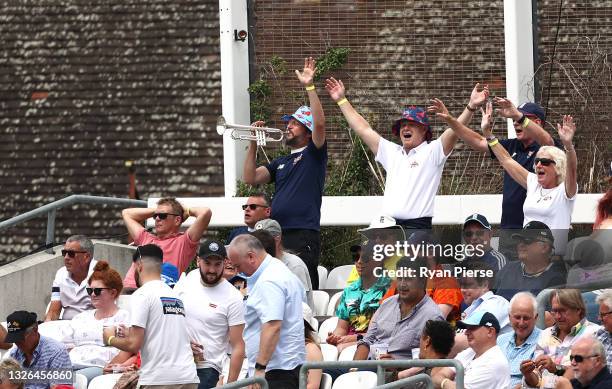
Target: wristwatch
<point>259,366</point>
<point>490,138</point>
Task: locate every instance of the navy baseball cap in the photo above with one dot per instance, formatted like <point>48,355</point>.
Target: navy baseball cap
<point>478,218</point>
<point>212,248</point>
<point>532,109</point>
<point>535,230</point>
<point>17,323</point>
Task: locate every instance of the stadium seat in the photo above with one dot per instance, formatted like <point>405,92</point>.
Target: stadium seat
<point>124,301</point>
<point>326,381</point>
<point>329,325</point>
<point>80,381</point>
<point>322,276</point>
<point>330,352</point>
<point>348,353</point>
<point>338,276</point>
<point>356,380</point>
<point>105,381</point>
<point>331,307</point>
<point>321,300</point>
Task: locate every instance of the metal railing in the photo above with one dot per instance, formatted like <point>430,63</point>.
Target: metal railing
<point>51,211</point>
<point>246,382</point>
<point>409,381</point>
<point>381,365</point>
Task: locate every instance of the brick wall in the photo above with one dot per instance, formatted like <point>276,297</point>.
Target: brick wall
<point>84,87</point>
<point>580,82</point>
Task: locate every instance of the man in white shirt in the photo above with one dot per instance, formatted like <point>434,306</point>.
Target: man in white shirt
<point>214,312</point>
<point>414,167</point>
<point>485,364</point>
<point>292,261</point>
<point>158,328</point>
<point>69,286</point>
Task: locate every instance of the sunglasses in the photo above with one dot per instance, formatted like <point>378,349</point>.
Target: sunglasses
<point>478,233</point>
<point>580,358</point>
<point>96,291</point>
<point>252,207</point>
<point>71,253</point>
<point>544,161</point>
<point>163,215</point>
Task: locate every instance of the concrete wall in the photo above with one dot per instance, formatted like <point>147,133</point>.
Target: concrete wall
<point>26,283</point>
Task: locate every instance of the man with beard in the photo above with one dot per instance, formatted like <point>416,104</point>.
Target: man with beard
<point>158,328</point>
<point>214,312</point>
<point>298,177</point>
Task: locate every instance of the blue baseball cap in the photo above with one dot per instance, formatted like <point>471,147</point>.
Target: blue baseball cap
<point>169,274</point>
<point>302,115</point>
<point>532,109</point>
<point>478,218</point>
<point>480,319</point>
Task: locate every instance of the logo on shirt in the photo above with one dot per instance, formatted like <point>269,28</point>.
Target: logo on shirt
<point>529,154</point>
<point>297,159</point>
<point>172,306</point>
<point>212,305</point>
<point>280,166</point>
<point>414,164</point>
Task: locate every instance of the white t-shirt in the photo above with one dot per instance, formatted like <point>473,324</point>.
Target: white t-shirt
<point>490,370</point>
<point>73,296</point>
<point>166,352</point>
<point>89,350</point>
<point>550,206</point>
<point>413,178</point>
<point>298,267</point>
<point>209,312</point>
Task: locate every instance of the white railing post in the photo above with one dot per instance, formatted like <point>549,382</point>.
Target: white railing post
<point>518,36</point>
<point>234,85</point>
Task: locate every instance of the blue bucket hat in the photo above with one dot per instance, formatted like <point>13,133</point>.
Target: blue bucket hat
<point>302,115</point>
<point>414,114</point>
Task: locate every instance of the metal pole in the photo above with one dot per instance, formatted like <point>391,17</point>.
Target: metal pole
<point>380,375</point>
<point>405,382</point>
<point>50,231</point>
<point>246,382</point>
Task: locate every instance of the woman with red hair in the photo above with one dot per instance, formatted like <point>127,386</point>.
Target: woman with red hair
<point>90,357</point>
<point>603,217</point>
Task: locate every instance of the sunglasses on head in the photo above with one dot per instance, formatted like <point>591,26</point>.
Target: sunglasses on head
<point>478,233</point>
<point>96,291</point>
<point>580,358</point>
<point>71,253</point>
<point>544,161</point>
<point>252,207</point>
<point>163,215</point>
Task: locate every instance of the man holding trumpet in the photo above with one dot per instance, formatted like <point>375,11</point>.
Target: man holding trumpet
<point>298,177</point>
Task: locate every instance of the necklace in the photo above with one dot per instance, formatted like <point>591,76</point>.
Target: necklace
<point>544,196</point>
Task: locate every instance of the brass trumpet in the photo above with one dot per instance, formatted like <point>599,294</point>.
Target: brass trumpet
<point>261,135</point>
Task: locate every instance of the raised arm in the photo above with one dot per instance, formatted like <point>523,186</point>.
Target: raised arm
<point>306,78</point>
<point>533,130</point>
<point>477,98</point>
<point>516,171</point>
<point>134,219</point>
<point>251,174</point>
<point>197,228</point>
<point>362,128</point>
<point>566,134</point>
<point>237,357</point>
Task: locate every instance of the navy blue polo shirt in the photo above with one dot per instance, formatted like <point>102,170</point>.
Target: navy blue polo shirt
<point>299,179</point>
<point>512,279</point>
<point>514,194</point>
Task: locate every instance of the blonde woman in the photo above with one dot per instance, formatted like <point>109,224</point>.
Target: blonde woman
<point>551,190</point>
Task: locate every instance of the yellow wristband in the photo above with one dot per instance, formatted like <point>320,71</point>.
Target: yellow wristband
<point>443,383</point>
<point>110,339</point>
<point>343,101</point>
<point>310,87</point>
<point>525,123</point>
<point>496,141</point>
